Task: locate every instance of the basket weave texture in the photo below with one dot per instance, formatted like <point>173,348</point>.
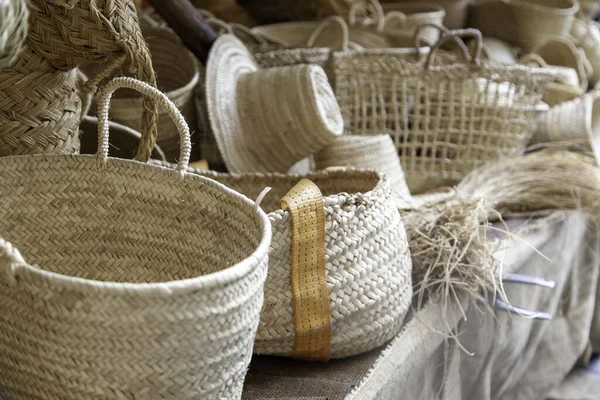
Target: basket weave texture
<point>367,260</point>
<point>445,117</point>
<point>136,280</point>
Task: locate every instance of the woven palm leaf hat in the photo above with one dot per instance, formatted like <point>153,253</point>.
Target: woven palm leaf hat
<point>266,120</point>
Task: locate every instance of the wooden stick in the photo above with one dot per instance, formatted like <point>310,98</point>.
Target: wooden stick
<point>186,21</point>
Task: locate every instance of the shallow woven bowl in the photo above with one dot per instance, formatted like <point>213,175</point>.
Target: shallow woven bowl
<point>134,280</point>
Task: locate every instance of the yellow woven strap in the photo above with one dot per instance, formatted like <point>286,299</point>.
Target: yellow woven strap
<point>312,318</point>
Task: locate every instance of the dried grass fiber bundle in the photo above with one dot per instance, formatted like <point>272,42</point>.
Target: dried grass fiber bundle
<point>451,256</point>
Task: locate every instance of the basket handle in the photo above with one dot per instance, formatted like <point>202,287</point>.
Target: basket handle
<point>451,35</point>
<point>370,5</point>
<point>324,24</point>
<point>395,15</point>
<point>148,91</point>
<point>10,258</point>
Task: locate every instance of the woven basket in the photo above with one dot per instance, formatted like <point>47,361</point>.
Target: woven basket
<point>456,10</point>
<point>13,31</point>
<point>367,152</point>
<point>367,260</point>
<point>405,17</point>
<point>575,122</point>
<point>39,107</point>
<point>523,23</point>
<point>177,75</point>
<point>587,37</point>
<point>136,280</point>
<point>446,118</point>
<point>494,50</point>
<point>123,141</point>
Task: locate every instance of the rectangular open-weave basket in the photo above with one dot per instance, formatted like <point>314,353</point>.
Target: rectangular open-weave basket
<point>446,116</point>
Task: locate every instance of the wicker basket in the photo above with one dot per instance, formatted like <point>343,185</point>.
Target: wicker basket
<point>39,107</point>
<point>177,75</point>
<point>123,141</point>
<point>136,280</point>
<point>405,17</point>
<point>367,152</point>
<point>13,20</point>
<point>456,11</point>
<point>587,37</point>
<point>367,260</point>
<point>523,23</point>
<point>445,117</point>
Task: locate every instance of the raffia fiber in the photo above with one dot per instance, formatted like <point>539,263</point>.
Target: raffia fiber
<point>136,280</point>
<point>70,33</point>
<point>39,108</point>
<point>367,260</point>
<point>450,254</point>
<point>446,117</point>
<point>13,32</point>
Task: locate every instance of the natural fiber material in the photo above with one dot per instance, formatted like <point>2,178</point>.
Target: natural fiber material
<point>312,317</point>
<point>587,37</point>
<point>258,124</point>
<point>576,122</point>
<point>523,23</point>
<point>123,141</point>
<point>13,23</point>
<point>177,75</point>
<point>405,17</point>
<point>456,10</point>
<point>367,152</point>
<point>366,260</point>
<point>494,50</point>
<point>39,108</point>
<point>562,52</point>
<point>68,33</point>
<point>445,117</point>
<point>135,280</point>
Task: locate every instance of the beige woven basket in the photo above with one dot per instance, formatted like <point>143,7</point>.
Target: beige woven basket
<point>445,117</point>
<point>13,31</point>
<point>523,23</point>
<point>136,280</point>
<point>39,107</point>
<point>123,141</point>
<point>574,122</point>
<point>456,10</point>
<point>367,260</point>
<point>367,152</point>
<point>177,75</point>
<point>587,37</point>
<point>405,17</point>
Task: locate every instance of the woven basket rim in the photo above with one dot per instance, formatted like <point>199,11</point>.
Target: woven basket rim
<point>424,9</point>
<point>176,287</point>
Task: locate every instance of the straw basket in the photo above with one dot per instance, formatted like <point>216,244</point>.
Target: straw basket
<point>445,117</point>
<point>456,10</point>
<point>587,37</point>
<point>13,20</point>
<point>405,17</point>
<point>495,50</point>
<point>39,107</point>
<point>177,75</point>
<point>369,152</point>
<point>523,23</point>
<point>576,121</point>
<point>123,141</point>
<point>367,261</point>
<point>135,280</point>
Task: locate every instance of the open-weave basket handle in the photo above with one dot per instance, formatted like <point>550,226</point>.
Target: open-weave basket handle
<point>334,19</point>
<point>455,35</point>
<point>370,5</point>
<point>310,296</point>
<point>148,91</point>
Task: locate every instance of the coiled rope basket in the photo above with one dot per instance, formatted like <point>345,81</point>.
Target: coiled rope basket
<point>130,280</point>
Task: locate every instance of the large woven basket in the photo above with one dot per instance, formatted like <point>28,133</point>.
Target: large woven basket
<point>39,107</point>
<point>523,23</point>
<point>13,29</point>
<point>135,280</point>
<point>177,75</point>
<point>445,117</point>
<point>367,260</point>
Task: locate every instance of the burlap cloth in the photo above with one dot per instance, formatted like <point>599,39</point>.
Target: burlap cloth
<point>515,358</point>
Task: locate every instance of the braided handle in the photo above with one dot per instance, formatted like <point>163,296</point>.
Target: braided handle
<point>149,92</point>
<point>370,5</point>
<point>451,35</point>
<point>324,24</point>
<point>10,258</point>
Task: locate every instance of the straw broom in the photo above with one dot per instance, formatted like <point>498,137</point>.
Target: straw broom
<point>451,257</point>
